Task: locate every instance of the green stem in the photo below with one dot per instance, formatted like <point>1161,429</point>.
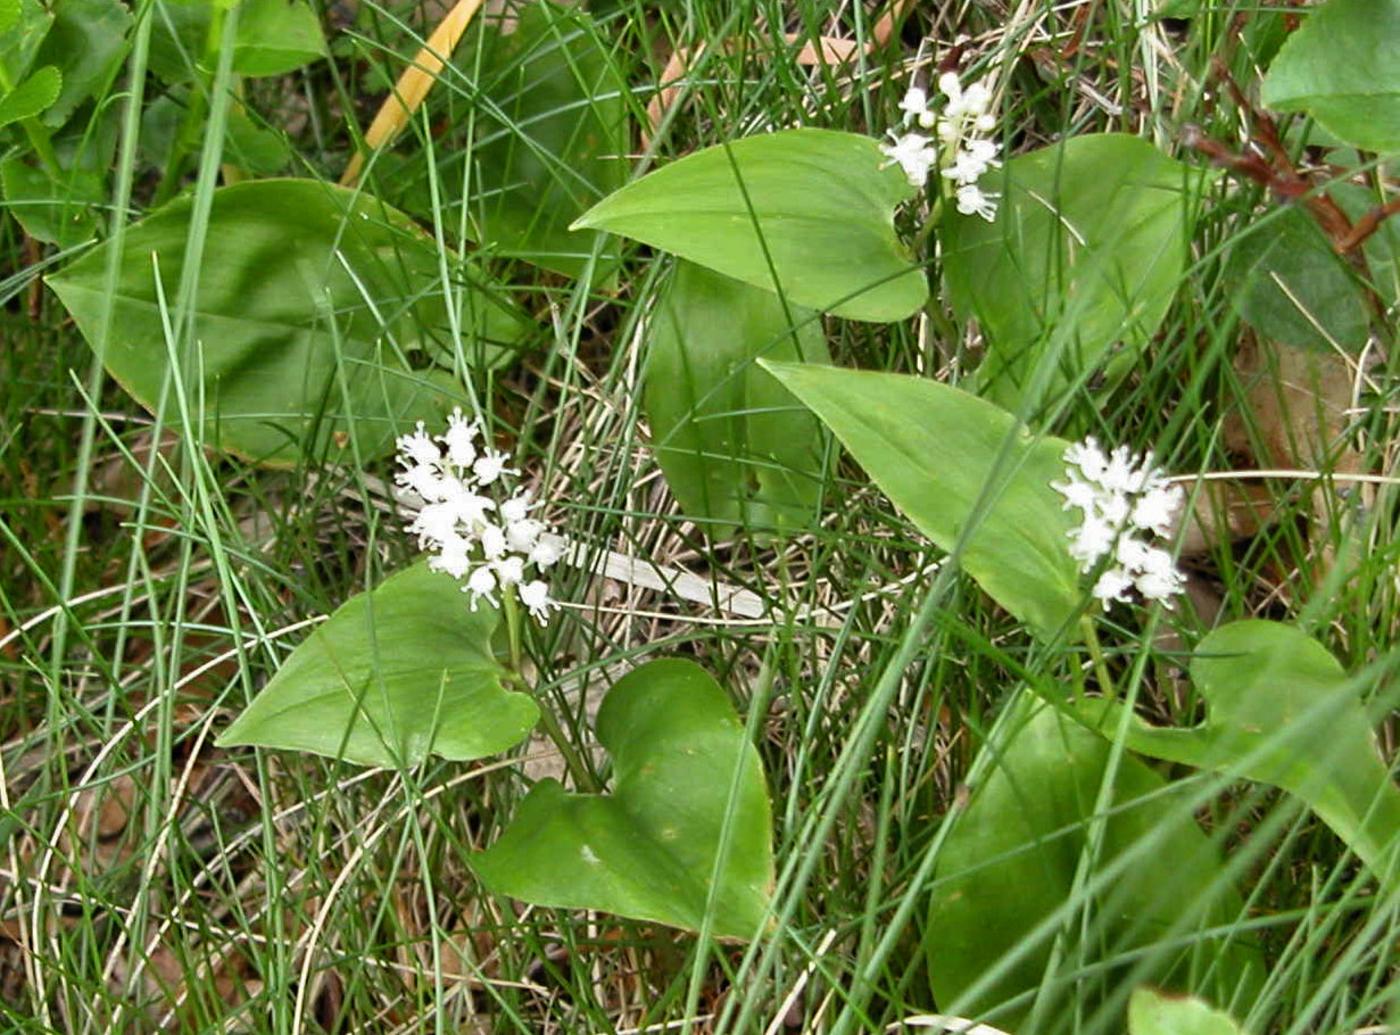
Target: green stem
<point>1091,640</point>
<point>935,213</point>
<point>188,133</point>
<point>573,761</point>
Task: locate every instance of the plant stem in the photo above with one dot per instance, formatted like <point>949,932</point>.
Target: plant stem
<point>1091,640</point>
<point>573,761</point>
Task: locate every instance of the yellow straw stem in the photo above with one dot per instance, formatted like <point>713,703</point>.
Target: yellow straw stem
<point>413,85</point>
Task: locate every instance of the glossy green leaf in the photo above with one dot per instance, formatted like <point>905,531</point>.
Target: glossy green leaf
<point>1151,1012</point>
<point>393,676</point>
<point>1086,253</point>
<point>311,303</point>
<point>965,473</point>
<point>1281,710</point>
<point>87,42</point>
<point>544,128</point>
<point>61,210</point>
<point>1010,862</point>
<point>276,36</point>
<point>814,206</point>
<point>32,96</point>
<point>9,15</point>
<point>736,447</point>
<point>1341,68</point>
<point>1289,284</point>
<point>648,849</point>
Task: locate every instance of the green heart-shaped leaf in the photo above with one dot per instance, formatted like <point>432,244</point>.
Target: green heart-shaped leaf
<point>1341,68</point>
<point>1086,252</point>
<point>1154,1013</point>
<point>965,473</point>
<point>735,447</point>
<point>1281,710</point>
<point>285,259</point>
<point>1011,861</point>
<point>394,675</point>
<point>649,849</point>
<point>812,207</point>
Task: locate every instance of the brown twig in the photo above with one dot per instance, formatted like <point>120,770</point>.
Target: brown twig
<point>1367,225</point>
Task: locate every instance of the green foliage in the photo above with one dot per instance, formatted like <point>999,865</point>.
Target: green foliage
<point>87,43</point>
<point>393,676</point>
<point>1086,253</point>
<point>32,96</point>
<point>1154,1013</point>
<point>736,447</point>
<point>966,473</point>
<point>273,37</point>
<point>1282,711</point>
<point>1292,287</point>
<point>27,24</point>
<point>650,849</point>
<point>551,138</point>
<point>310,306</point>
<point>1341,69</point>
<point>54,209</point>
<point>808,211</point>
<point>276,37</point>
<point>1014,857</point>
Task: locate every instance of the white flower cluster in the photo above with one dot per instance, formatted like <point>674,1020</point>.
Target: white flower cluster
<point>1120,496</point>
<point>965,157</point>
<point>475,535</point>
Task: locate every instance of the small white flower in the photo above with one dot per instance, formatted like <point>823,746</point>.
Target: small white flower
<point>1112,585</point>
<point>950,86</point>
<point>436,523</point>
<point>1077,493</point>
<point>493,541</point>
<point>535,596</point>
<point>490,466</point>
<point>418,447</point>
<point>915,107</point>
<point>1088,457</point>
<point>460,439</point>
<point>453,556</point>
<point>972,201</point>
<point>481,584</point>
<point>1156,509</point>
<point>424,479</point>
<point>516,508</point>
<point>915,154</point>
<point>973,162</point>
<point>1125,472</point>
<point>1159,580</point>
<point>509,570</point>
<point>522,534</point>
<point>972,101</point>
<point>1090,541</point>
<point>544,554</point>
<point>470,508</point>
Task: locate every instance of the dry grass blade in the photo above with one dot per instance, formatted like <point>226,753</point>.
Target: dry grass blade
<point>413,85</point>
<point>828,51</point>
